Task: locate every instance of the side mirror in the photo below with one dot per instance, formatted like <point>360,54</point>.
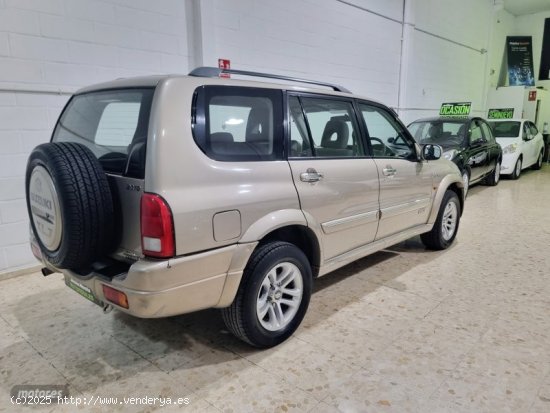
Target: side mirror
<point>431,152</point>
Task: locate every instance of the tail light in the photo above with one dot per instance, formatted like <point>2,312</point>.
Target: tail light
<point>157,227</point>
<point>115,296</point>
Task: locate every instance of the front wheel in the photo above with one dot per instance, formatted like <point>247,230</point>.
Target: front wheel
<point>494,178</point>
<point>273,296</point>
<point>445,228</point>
<point>538,164</point>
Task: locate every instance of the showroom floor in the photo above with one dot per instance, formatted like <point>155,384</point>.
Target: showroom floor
<point>463,330</point>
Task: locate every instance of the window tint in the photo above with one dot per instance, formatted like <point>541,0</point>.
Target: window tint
<point>441,132</point>
<point>117,124</point>
<point>475,132</point>
<point>236,123</point>
<point>526,131</point>
<point>299,139</point>
<point>333,128</point>
<point>487,132</point>
<point>113,124</point>
<point>387,137</point>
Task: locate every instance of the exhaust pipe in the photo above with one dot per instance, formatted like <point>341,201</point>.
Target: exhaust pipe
<point>46,271</point>
<point>107,308</point>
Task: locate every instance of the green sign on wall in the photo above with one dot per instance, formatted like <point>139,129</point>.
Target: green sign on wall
<point>455,109</point>
<point>507,113</point>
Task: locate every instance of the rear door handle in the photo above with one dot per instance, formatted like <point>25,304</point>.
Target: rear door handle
<point>311,175</point>
<point>389,171</point>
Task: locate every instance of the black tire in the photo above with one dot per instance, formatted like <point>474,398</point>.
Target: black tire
<point>241,316</point>
<point>538,164</point>
<point>435,240</point>
<point>516,173</point>
<point>494,178</point>
<point>85,205</point>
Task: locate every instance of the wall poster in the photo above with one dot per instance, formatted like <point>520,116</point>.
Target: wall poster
<point>520,60</point>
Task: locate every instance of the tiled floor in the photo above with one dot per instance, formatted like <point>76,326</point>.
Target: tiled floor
<point>404,330</point>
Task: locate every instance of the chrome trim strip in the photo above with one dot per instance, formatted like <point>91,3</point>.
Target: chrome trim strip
<point>404,208</point>
<point>359,252</point>
<point>343,223</point>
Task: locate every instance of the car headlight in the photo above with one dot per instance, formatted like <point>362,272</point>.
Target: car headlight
<point>510,148</point>
<point>449,155</point>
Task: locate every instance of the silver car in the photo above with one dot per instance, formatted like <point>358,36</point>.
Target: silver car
<point>164,195</point>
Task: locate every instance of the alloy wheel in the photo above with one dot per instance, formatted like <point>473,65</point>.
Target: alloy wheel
<point>450,218</point>
<point>280,296</point>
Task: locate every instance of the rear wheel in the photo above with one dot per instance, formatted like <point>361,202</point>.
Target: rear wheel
<point>517,169</point>
<point>445,228</point>
<point>494,178</point>
<point>538,164</point>
<point>273,296</point>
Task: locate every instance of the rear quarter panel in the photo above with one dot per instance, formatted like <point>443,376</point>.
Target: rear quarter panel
<point>197,187</point>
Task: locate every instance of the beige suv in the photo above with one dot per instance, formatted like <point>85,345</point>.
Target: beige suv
<point>164,195</point>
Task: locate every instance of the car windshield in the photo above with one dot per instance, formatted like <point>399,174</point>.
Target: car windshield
<point>447,133</point>
<point>506,129</point>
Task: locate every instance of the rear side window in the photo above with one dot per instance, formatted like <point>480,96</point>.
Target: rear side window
<point>238,123</point>
<point>113,124</point>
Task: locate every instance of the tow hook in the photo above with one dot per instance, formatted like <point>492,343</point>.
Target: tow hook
<point>107,308</point>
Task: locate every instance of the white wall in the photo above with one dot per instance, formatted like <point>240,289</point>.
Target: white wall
<point>440,70</point>
<point>317,39</point>
<point>57,44</point>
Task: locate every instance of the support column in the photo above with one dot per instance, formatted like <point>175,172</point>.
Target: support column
<point>201,33</point>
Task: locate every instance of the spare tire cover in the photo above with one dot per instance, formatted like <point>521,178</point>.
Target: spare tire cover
<point>69,204</point>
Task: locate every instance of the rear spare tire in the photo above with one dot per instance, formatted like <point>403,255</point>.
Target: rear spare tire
<point>69,204</point>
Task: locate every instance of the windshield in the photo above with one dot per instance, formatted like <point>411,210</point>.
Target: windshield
<point>506,129</point>
<point>113,124</point>
<point>447,133</point>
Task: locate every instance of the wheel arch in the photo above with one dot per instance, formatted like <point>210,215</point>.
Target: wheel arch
<point>455,184</point>
<point>302,237</point>
<point>287,225</point>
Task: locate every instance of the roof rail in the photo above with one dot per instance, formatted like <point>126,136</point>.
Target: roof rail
<point>206,71</point>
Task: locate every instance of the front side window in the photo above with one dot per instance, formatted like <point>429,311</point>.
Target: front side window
<point>387,137</point>
<point>533,128</point>
<point>526,131</point>
<point>238,124</point>
<point>487,132</point>
<point>476,135</point>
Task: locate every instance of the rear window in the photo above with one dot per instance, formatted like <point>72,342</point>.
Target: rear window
<point>113,124</point>
<point>505,129</point>
<point>238,123</point>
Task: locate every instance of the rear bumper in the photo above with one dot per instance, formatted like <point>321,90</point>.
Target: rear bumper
<point>176,286</point>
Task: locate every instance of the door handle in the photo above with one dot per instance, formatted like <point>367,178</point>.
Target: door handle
<point>389,171</point>
<point>311,175</point>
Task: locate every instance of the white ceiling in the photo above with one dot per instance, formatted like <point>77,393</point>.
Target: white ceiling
<point>521,7</point>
